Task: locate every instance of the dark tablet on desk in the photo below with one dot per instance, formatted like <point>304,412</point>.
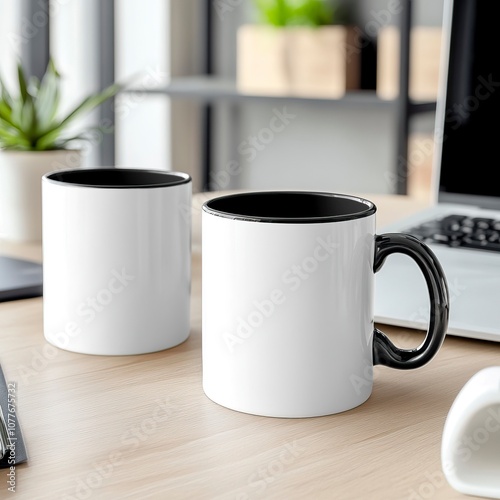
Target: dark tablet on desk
<point>19,279</point>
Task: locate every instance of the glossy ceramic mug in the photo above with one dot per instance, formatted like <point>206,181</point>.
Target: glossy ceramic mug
<point>288,284</point>
<point>116,260</point>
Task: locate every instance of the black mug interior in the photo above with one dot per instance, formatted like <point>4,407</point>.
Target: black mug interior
<point>290,206</point>
<point>119,178</point>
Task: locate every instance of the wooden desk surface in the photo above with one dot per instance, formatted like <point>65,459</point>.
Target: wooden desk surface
<point>141,427</point>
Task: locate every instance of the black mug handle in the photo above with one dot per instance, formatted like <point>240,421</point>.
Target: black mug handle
<point>384,351</point>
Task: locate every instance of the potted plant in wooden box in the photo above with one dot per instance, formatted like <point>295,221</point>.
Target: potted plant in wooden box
<point>299,47</point>
<point>34,141</point>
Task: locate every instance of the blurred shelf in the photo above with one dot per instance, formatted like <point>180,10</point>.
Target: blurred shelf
<point>209,88</point>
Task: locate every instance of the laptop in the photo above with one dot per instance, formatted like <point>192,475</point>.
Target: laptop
<point>462,226</point>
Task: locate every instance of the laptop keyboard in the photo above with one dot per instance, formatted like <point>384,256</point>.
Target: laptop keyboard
<point>461,231</point>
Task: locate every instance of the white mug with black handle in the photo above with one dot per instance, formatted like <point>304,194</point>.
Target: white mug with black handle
<point>288,284</point>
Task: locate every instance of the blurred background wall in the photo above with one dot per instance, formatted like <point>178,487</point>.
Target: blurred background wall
<point>337,146</point>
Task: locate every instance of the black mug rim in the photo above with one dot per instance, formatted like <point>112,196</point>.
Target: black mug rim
<point>367,207</point>
<point>151,178</point>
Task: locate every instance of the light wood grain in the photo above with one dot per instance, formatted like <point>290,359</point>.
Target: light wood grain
<point>141,427</point>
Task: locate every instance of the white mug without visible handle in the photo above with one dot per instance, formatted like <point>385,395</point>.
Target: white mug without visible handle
<point>116,260</point>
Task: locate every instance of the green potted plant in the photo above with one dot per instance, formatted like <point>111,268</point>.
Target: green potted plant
<point>298,47</point>
<point>35,139</point>
<point>296,13</point>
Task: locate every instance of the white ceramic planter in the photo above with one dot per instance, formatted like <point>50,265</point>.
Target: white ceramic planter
<point>21,189</point>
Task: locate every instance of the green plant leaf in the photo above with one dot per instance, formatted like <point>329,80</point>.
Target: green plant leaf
<point>56,142</point>
<point>82,136</point>
<point>296,12</point>
<point>33,86</point>
<point>23,87</point>
<point>272,12</point>
<point>6,113</point>
<point>5,95</point>
<point>11,139</point>
<point>48,140</point>
<point>29,119</point>
<point>92,101</point>
<point>47,102</point>
<point>17,111</point>
<point>85,106</point>
<point>7,127</point>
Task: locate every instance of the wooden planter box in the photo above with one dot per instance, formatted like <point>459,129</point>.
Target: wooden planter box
<point>307,62</point>
<point>425,61</point>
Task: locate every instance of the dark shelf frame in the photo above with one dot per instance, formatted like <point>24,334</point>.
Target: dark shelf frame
<point>404,105</point>
<point>106,33</point>
<point>207,111</point>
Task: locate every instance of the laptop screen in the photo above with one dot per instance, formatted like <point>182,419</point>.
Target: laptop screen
<point>469,124</point>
